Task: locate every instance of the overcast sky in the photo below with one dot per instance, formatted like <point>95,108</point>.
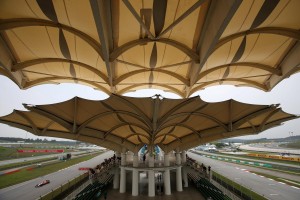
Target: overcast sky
<point>287,94</point>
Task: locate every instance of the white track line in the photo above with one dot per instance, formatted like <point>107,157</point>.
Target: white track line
<point>295,187</point>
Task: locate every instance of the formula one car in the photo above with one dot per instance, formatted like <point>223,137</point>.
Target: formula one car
<point>45,182</point>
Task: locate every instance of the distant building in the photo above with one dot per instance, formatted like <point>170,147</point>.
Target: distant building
<point>207,147</point>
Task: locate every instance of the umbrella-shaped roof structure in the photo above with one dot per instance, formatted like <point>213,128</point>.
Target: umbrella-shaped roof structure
<point>118,46</point>
<point>126,122</point>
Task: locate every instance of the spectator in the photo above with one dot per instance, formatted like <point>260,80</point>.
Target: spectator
<point>144,158</point>
<point>97,171</point>
<point>105,194</point>
<point>92,171</point>
<point>91,174</point>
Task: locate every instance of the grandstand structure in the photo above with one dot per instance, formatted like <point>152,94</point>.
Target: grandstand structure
<point>127,124</point>
<point>118,46</point>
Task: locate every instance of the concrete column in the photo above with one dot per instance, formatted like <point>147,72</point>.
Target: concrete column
<point>123,180</point>
<point>167,159</point>
<point>135,182</point>
<point>178,179</point>
<point>167,182</point>
<point>210,175</point>
<point>178,158</point>
<point>183,157</point>
<point>123,159</point>
<point>151,161</point>
<point>117,178</point>
<point>151,184</point>
<point>135,160</point>
<point>185,178</point>
<point>117,161</point>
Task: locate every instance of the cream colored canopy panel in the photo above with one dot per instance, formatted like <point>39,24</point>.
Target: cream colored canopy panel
<point>132,122</point>
<point>122,45</point>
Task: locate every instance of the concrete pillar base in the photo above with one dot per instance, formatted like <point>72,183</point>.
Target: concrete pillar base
<point>185,178</point>
<point>123,181</point>
<point>178,179</point>
<point>135,182</point>
<point>151,184</point>
<point>117,178</point>
<point>167,182</point>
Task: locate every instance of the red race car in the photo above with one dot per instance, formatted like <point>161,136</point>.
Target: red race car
<point>45,182</point>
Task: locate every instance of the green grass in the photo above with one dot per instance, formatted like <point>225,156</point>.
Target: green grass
<point>25,163</point>
<point>11,152</point>
<point>24,175</point>
<point>20,164</point>
<point>244,190</point>
<point>293,145</point>
<point>279,179</point>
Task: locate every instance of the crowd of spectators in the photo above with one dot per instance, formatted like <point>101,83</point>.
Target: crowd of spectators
<point>102,168</point>
<point>200,167</point>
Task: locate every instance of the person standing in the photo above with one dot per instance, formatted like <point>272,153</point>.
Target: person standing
<point>91,175</point>
<point>105,194</point>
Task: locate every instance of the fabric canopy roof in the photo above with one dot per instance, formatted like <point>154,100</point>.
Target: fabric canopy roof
<point>126,122</point>
<point>118,46</point>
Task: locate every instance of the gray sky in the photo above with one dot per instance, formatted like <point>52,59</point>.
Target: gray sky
<point>287,94</point>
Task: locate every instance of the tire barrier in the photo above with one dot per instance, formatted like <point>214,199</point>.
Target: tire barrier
<point>294,159</point>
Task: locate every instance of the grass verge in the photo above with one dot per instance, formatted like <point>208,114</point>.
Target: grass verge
<point>280,168</point>
<point>293,145</point>
<point>11,152</point>
<point>240,190</point>
<point>20,164</point>
<point>25,175</point>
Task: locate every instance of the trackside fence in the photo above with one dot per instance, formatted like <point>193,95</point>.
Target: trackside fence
<point>61,191</point>
<point>238,190</point>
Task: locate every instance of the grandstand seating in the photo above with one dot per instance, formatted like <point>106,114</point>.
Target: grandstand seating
<point>95,189</point>
<point>90,191</point>
<point>207,189</point>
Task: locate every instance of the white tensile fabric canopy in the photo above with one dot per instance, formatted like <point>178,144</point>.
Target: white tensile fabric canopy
<point>128,123</point>
<point>118,46</point>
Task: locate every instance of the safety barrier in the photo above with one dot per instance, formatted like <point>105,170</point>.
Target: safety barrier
<point>236,188</point>
<point>68,186</point>
<point>240,161</point>
<point>295,159</point>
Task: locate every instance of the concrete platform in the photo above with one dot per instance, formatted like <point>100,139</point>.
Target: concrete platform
<point>189,193</point>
